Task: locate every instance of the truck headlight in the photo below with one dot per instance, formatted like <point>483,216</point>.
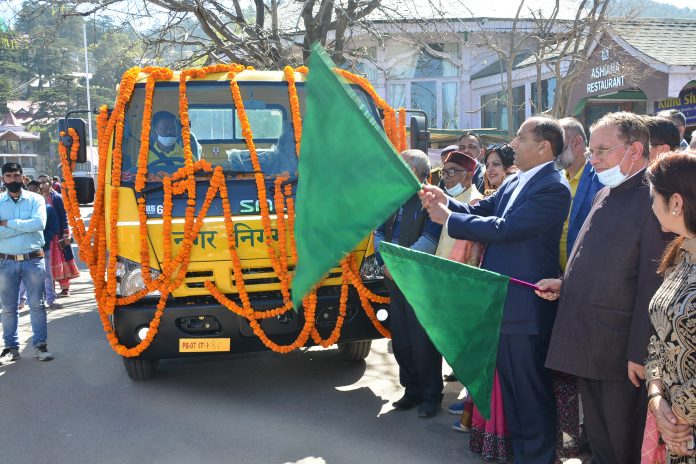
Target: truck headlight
<point>370,269</point>
<point>129,277</point>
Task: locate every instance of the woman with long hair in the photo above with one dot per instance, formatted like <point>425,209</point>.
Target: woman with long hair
<point>670,368</point>
<point>500,163</point>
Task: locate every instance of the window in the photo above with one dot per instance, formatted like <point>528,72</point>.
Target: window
<point>450,105</point>
<point>223,123</point>
<point>426,79</point>
<point>548,92</point>
<point>494,109</point>
<point>424,97</point>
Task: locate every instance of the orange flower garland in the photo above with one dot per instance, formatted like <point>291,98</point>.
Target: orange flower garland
<point>93,241</point>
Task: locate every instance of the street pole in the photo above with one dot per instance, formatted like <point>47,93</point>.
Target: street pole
<point>89,102</point>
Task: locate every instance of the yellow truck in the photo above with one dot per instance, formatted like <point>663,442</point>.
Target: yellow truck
<point>190,243</point>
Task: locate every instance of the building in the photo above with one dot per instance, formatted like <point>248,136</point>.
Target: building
<point>19,146</point>
<point>455,63</point>
<point>640,66</point>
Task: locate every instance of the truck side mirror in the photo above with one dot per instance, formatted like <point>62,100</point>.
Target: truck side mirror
<point>420,137</point>
<point>80,127</point>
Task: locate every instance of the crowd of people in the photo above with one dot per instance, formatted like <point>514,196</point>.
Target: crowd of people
<point>35,254</point>
<point>605,226</point>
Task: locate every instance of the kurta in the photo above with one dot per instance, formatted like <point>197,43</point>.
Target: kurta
<point>446,243</point>
<point>671,351</point>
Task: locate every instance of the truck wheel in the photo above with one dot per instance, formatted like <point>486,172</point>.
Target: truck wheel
<point>355,351</point>
<point>140,369</point>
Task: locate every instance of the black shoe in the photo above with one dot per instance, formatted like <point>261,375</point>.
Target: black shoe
<point>427,410</point>
<point>450,377</point>
<point>406,402</point>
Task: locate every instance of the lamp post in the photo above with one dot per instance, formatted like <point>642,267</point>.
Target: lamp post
<point>89,102</point>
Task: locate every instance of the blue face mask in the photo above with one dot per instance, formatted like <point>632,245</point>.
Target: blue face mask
<point>613,177</point>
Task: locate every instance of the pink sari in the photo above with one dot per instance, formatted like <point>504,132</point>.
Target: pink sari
<point>489,438</point>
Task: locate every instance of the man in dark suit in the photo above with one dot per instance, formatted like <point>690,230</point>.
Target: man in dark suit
<point>521,225</point>
<point>420,364</point>
<point>602,328</point>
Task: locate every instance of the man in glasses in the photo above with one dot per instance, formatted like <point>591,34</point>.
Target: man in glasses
<point>602,324</point>
<point>457,176</point>
<point>470,144</point>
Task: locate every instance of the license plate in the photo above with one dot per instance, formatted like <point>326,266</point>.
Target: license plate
<point>203,345</point>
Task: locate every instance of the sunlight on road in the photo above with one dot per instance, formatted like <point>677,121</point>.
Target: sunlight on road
<point>308,460</point>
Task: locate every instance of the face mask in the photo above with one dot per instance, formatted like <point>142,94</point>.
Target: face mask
<point>456,190</point>
<point>166,141</point>
<point>613,177</point>
<point>13,187</point>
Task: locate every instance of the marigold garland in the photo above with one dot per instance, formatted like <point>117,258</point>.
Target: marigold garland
<point>93,241</point>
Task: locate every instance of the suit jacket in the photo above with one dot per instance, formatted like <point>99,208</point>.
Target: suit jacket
<point>478,178</point>
<point>602,319</point>
<point>523,244</point>
<point>588,187</point>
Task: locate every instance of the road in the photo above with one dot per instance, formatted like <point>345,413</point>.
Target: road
<point>307,407</point>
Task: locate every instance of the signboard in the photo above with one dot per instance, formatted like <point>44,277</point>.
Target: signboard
<point>605,76</point>
<point>686,103</point>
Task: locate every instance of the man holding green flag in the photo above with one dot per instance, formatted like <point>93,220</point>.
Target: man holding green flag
<point>521,224</point>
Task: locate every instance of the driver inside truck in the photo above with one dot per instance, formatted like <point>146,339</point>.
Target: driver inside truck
<point>166,146</point>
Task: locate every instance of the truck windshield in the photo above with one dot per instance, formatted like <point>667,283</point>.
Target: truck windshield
<point>216,132</point>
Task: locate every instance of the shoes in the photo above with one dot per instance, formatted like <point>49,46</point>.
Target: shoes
<point>450,377</point>
<point>9,355</point>
<point>55,306</point>
<point>64,292</point>
<point>457,408</point>
<point>42,353</point>
<point>427,410</point>
<point>459,427</point>
<point>406,402</point>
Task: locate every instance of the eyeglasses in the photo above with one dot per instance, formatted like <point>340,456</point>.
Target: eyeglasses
<point>601,153</point>
<point>451,172</point>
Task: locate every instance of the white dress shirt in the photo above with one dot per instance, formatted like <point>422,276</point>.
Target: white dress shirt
<point>523,177</point>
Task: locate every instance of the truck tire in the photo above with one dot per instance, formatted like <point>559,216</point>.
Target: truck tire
<point>140,369</point>
<point>355,351</point>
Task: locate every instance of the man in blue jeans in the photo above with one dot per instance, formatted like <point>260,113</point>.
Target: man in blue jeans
<point>22,221</point>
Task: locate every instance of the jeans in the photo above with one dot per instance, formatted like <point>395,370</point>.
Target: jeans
<point>31,272</point>
<point>50,295</point>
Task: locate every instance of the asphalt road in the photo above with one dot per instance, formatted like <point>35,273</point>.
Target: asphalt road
<point>307,407</point>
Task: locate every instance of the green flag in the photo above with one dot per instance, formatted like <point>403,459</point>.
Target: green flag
<point>460,307</point>
<point>350,177</point>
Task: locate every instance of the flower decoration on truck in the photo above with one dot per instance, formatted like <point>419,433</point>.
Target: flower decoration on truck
<point>98,243</point>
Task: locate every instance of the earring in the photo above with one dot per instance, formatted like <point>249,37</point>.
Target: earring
<point>674,212</point>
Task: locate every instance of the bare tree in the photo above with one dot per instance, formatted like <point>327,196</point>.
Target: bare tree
<point>261,33</point>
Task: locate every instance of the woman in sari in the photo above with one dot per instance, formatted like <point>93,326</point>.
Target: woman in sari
<point>63,264</point>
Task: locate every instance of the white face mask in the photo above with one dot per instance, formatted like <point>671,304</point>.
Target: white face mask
<point>613,177</point>
<point>166,141</point>
<point>456,190</point>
